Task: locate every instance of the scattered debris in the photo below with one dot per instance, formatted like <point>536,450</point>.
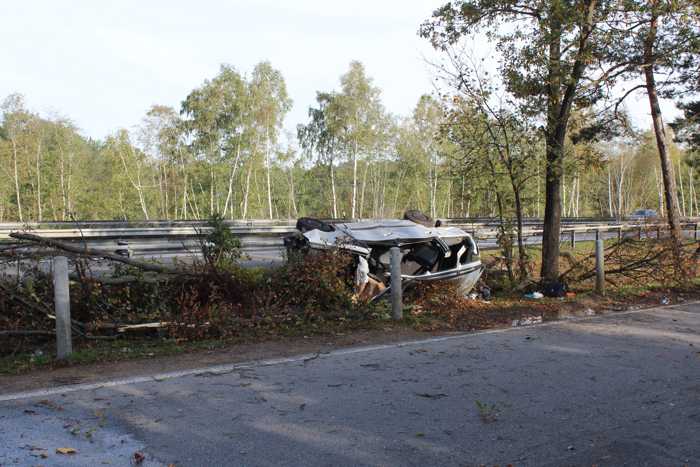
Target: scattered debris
<point>138,457</point>
<point>428,395</point>
<point>534,295</point>
<point>66,451</point>
<point>665,300</point>
<point>527,321</point>
<point>49,405</point>
<point>589,312</point>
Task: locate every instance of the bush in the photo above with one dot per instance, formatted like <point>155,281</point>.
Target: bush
<point>221,249</point>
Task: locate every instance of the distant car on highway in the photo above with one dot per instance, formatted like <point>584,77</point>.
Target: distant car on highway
<point>643,215</point>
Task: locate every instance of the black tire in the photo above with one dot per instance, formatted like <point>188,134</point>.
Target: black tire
<point>304,224</point>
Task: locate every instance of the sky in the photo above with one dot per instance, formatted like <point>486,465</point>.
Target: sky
<point>104,64</point>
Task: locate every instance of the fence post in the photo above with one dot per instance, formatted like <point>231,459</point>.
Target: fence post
<point>599,267</point>
<point>61,296</point>
<point>396,299</point>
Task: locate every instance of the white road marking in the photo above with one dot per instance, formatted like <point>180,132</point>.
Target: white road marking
<point>227,368</point>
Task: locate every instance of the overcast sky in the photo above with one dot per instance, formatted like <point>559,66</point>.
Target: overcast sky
<point>103,64</point>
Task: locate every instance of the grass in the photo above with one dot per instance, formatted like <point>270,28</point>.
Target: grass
<point>134,348</point>
<point>488,413</point>
<point>102,351</point>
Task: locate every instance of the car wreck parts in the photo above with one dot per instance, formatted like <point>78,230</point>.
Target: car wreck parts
<point>427,253</point>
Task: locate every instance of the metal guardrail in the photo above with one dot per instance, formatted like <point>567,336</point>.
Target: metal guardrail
<point>194,228</point>
<point>151,237</point>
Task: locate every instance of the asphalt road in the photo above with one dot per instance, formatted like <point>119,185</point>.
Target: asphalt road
<point>620,389</point>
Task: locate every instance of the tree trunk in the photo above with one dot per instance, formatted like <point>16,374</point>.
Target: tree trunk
<point>522,253</point>
<point>554,167</point>
<point>361,209</point>
<point>292,192</point>
<point>335,199</point>
<point>558,112</point>
<point>247,191</point>
<point>231,177</point>
<point>38,180</point>
<point>16,177</point>
<point>353,206</point>
<point>659,193</point>
<point>269,169</point>
<point>670,192</point>
<point>680,184</point>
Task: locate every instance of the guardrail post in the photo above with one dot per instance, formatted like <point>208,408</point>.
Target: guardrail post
<point>619,234</point>
<point>599,267</point>
<point>396,298</point>
<point>695,232</point>
<point>639,233</point>
<point>61,297</point>
<point>573,238</point>
<point>597,234</point>
<point>658,232</point>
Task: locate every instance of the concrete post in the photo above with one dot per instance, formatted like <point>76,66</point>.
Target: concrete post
<point>599,267</point>
<point>61,296</point>
<point>396,298</point>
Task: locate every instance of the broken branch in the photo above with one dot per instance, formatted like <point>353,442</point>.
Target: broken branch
<point>85,251</point>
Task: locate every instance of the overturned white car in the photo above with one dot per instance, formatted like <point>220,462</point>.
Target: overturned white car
<point>428,253</point>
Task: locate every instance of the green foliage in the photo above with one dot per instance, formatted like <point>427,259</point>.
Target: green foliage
<point>220,247</point>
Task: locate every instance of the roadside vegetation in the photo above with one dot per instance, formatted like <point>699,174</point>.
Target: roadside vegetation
<point>538,127</point>
<point>215,302</point>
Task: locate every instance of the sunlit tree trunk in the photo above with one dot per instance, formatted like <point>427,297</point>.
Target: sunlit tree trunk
<point>680,183</point>
<point>18,197</point>
<point>362,192</point>
<point>670,192</point>
<point>335,198</point>
<point>353,206</point>
<point>136,183</point>
<point>231,177</point>
<point>38,181</point>
<point>268,165</point>
<point>246,192</point>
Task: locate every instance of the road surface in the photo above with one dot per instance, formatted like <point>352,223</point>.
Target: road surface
<point>619,389</point>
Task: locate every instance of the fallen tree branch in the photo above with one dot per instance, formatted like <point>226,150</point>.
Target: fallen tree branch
<point>84,251</point>
<point>41,308</point>
<point>121,280</point>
